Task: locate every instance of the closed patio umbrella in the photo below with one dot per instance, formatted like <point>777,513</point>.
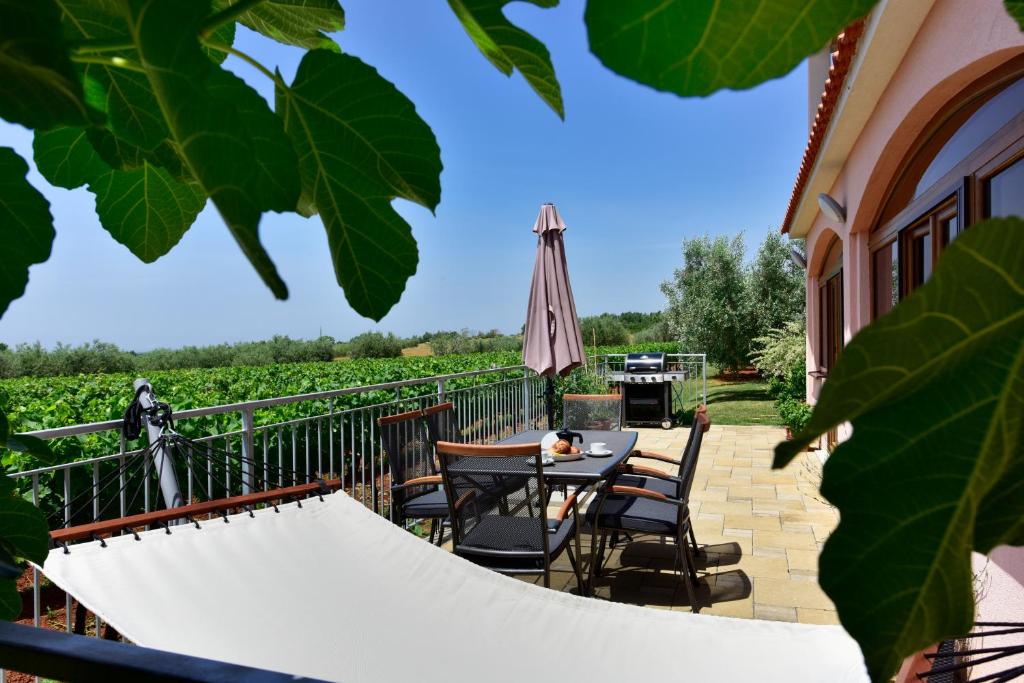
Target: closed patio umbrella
<point>552,343</point>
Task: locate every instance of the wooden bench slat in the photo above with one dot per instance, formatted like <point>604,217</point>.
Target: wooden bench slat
<point>86,531</point>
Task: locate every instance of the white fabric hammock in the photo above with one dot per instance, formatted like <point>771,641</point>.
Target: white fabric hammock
<point>333,591</point>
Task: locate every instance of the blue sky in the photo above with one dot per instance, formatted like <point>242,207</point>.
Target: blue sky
<point>633,172</point>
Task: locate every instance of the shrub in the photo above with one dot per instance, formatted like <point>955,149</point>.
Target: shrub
<point>780,351</point>
<point>375,345</point>
<point>603,330</point>
<point>658,332</point>
<point>795,414</point>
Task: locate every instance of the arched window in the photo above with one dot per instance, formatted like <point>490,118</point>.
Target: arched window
<point>969,166</point>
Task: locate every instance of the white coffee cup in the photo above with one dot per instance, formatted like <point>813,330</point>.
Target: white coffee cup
<point>598,447</point>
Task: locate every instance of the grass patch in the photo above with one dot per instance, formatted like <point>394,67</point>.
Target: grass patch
<point>741,402</point>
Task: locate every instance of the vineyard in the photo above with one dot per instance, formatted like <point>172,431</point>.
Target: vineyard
<point>34,403</point>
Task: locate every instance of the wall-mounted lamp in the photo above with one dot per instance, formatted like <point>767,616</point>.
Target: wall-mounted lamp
<point>796,257</point>
<point>831,208</point>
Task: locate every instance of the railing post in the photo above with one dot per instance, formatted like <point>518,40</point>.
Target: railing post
<point>440,391</point>
<point>704,375</point>
<point>161,460</point>
<point>248,450</point>
<point>526,398</point>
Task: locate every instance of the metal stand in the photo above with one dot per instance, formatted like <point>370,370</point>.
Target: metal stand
<point>549,393</point>
<point>161,460</point>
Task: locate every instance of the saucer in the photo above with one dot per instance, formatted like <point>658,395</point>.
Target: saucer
<point>599,454</point>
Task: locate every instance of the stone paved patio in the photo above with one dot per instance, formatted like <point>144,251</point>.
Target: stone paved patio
<point>762,531</point>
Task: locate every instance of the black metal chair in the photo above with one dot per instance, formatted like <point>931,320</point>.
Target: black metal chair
<point>652,479</point>
<point>592,411</point>
<point>443,423</point>
<point>496,497</point>
<point>645,500</point>
<point>416,491</point>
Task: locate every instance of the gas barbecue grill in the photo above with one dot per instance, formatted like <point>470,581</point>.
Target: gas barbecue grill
<point>646,389</point>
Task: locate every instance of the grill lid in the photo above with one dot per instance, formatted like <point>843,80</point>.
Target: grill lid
<point>645,362</point>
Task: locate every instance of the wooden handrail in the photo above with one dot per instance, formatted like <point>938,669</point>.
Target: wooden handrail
<point>109,526</point>
<point>439,408</point>
<point>496,451</point>
<point>399,417</point>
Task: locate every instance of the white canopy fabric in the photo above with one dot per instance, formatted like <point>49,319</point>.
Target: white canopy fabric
<point>333,591</point>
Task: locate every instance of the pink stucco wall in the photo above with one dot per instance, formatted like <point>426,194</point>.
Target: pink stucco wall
<point>958,43</point>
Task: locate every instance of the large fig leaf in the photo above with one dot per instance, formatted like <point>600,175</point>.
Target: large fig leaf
<point>294,22</point>
<point>23,529</point>
<point>935,466</point>
<point>361,144</point>
<point>23,534</point>
<point>26,227</point>
<point>508,47</point>
<point>234,145</point>
<point>66,158</point>
<point>146,209</point>
<point>143,207</point>
<point>695,47</point>
<point>38,84</point>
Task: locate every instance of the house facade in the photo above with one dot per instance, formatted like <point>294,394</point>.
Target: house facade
<point>916,133</point>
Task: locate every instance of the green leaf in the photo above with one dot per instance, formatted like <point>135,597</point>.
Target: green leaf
<point>294,22</point>
<point>935,466</point>
<point>124,156</point>
<point>26,227</point>
<point>360,145</point>
<point>10,600</point>
<point>9,567</point>
<point>508,47</point>
<point>1015,8</point>
<point>146,209</point>
<point>24,443</point>
<point>66,158</point>
<point>234,145</point>
<point>696,47</point>
<point>23,529</point>
<point>125,96</point>
<point>38,84</point>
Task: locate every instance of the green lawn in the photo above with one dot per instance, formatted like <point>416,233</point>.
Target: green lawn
<point>740,402</point>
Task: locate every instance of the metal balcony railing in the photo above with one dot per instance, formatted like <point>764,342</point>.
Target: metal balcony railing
<point>323,435</point>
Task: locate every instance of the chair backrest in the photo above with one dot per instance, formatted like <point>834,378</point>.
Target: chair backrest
<point>497,492</point>
<point>592,411</point>
<point>688,463</point>
<point>408,452</point>
<point>443,423</point>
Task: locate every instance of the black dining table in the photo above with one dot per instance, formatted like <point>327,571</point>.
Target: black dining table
<point>590,468</point>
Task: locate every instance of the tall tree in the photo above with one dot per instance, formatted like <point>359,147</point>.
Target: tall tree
<point>708,306</point>
<point>776,287</point>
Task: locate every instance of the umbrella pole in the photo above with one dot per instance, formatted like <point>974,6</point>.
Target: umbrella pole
<point>550,394</point>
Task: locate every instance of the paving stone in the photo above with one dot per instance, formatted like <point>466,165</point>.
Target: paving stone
<point>790,593</point>
<point>726,507</point>
<point>774,613</point>
<point>760,522</point>
<point>802,560</point>
<point>784,539</point>
<point>816,616</point>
